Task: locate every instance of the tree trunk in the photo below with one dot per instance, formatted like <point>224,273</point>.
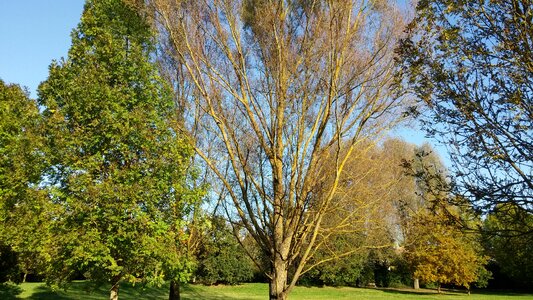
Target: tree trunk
<point>174,293</point>
<point>276,290</point>
<point>438,287</point>
<point>278,283</point>
<point>24,277</point>
<point>416,284</point>
<point>113,295</point>
<point>279,268</point>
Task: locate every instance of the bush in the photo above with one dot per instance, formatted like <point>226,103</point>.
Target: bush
<point>221,258</point>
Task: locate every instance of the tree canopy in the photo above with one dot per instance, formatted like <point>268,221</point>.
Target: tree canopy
<point>274,89</point>
<point>23,206</point>
<point>221,259</point>
<point>437,247</point>
<point>513,254</point>
<point>471,63</point>
<point>119,162</point>
<point>440,253</point>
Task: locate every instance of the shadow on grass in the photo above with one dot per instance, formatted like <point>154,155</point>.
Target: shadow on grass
<point>47,293</point>
<point>89,291</point>
<point>128,291</point>
<point>9,291</point>
<point>44,292</point>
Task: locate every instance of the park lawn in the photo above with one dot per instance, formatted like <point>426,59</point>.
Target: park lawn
<point>251,291</point>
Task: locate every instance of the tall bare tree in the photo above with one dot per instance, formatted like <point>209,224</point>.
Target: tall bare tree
<point>276,89</point>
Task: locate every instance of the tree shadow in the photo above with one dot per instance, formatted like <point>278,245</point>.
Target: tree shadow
<point>72,291</point>
<point>9,291</point>
<point>456,292</point>
<point>92,291</point>
<point>129,291</point>
<point>87,291</point>
<point>46,293</point>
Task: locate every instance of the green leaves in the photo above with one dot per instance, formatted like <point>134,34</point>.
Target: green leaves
<point>118,164</point>
<point>511,252</point>
<point>23,206</point>
<point>221,258</point>
<point>19,142</point>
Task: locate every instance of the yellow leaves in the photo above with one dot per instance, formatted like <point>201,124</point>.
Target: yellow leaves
<point>442,253</point>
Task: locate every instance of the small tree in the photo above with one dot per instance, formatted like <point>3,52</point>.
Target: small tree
<point>119,162</point>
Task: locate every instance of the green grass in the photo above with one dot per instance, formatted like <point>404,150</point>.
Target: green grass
<point>83,290</point>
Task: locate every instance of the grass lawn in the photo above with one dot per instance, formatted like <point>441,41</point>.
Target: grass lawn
<point>80,290</point>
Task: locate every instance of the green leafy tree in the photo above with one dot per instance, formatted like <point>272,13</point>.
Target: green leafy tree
<point>471,63</point>
<point>346,271</point>
<point>22,203</point>
<point>119,164</point>
<point>221,259</point>
<point>513,254</point>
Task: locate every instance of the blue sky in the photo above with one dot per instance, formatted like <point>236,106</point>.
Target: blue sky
<point>35,32</point>
<point>32,34</point>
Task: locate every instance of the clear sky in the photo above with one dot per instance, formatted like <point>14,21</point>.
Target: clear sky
<point>35,32</point>
<point>32,34</point>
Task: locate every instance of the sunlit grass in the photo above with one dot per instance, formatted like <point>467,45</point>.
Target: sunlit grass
<point>249,291</point>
